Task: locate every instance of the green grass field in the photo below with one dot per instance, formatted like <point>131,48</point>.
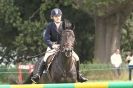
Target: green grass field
<point>103,72</point>
<point>94,72</point>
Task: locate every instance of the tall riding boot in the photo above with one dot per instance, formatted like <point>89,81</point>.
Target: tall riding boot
<point>38,70</point>
<point>80,78</point>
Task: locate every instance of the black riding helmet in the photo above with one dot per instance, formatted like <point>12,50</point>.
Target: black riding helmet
<point>56,12</point>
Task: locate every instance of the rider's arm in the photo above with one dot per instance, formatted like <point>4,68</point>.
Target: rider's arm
<point>47,36</point>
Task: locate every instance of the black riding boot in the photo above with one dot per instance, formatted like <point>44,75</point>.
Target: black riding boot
<point>80,77</point>
<point>38,70</point>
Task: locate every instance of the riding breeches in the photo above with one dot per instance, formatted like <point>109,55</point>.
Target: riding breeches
<point>50,51</point>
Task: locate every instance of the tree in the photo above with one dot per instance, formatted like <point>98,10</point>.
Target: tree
<point>21,34</point>
<point>109,16</point>
<point>26,24</point>
<point>127,34</point>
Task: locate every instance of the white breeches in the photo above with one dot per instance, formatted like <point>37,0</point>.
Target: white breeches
<point>50,51</point>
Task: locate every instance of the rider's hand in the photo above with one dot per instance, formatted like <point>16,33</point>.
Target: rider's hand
<point>55,46</point>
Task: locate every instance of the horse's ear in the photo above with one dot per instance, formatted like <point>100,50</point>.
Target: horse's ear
<point>68,25</point>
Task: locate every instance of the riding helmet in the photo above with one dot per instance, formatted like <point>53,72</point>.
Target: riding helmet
<point>56,12</point>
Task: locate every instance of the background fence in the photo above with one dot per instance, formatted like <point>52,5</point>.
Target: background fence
<point>94,72</point>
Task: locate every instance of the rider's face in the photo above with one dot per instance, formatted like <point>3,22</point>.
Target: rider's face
<point>57,19</point>
<point>117,51</point>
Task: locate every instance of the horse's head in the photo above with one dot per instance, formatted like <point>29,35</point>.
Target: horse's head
<point>67,40</point>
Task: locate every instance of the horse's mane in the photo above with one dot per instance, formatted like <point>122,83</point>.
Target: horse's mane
<point>68,34</point>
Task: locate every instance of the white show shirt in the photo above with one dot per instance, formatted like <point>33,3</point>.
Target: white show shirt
<point>116,60</point>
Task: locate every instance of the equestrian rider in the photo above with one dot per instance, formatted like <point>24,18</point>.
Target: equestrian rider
<point>52,37</point>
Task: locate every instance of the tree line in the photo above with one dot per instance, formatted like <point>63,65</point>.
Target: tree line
<point>98,24</point>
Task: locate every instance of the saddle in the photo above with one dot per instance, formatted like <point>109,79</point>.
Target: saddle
<point>50,60</point>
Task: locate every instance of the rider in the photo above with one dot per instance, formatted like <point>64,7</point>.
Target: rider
<point>52,39</point>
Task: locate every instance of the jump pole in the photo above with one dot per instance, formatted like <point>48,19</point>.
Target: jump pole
<point>123,84</point>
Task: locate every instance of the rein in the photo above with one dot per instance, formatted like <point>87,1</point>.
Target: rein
<point>41,54</point>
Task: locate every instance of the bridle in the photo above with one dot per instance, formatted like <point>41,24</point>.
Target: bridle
<point>67,42</point>
<point>67,51</point>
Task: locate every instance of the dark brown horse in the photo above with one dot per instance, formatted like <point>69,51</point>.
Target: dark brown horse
<point>63,67</point>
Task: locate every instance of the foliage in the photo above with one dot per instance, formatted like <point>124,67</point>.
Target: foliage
<point>127,35</point>
<point>22,23</point>
<point>21,34</point>
<point>100,7</point>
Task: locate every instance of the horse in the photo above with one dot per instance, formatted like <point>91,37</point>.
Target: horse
<point>63,67</point>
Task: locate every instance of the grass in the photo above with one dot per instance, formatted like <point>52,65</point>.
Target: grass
<point>94,72</point>
<point>103,72</point>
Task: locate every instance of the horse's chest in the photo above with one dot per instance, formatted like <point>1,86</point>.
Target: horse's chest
<point>68,76</point>
<point>63,72</point>
<point>64,76</point>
